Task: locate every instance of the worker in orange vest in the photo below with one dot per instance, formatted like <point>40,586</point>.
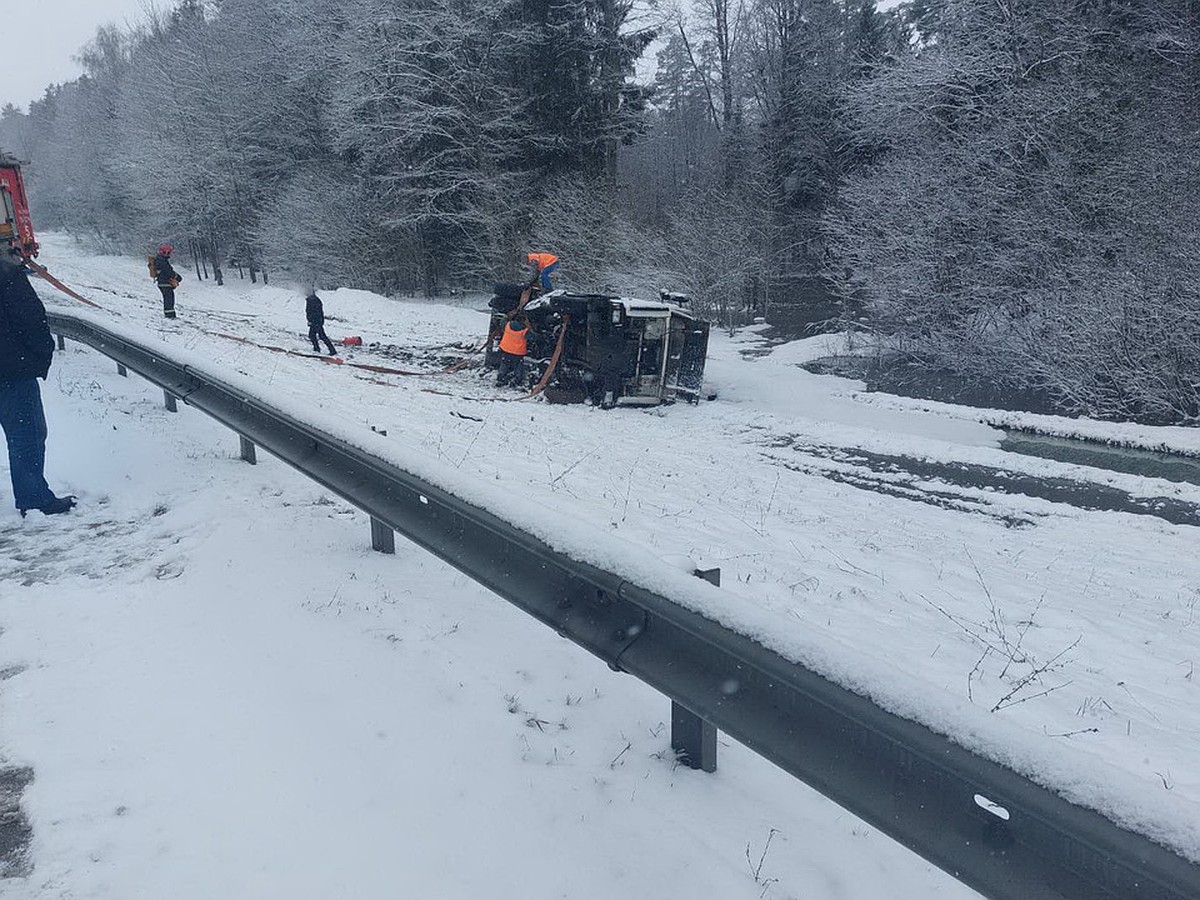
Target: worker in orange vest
<point>513,347</point>
<point>540,267</point>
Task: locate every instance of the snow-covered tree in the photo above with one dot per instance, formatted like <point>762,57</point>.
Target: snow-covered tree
<point>1031,217</point>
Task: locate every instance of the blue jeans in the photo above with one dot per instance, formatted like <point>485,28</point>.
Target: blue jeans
<point>24,425</point>
<point>545,275</point>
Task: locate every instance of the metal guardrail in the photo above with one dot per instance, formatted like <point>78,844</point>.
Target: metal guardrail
<point>985,825</point>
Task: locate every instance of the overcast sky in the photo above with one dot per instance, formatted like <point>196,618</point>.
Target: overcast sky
<point>51,32</point>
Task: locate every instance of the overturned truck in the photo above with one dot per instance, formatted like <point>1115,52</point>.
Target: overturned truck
<point>615,351</point>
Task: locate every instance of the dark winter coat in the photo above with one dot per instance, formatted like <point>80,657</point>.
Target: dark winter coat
<point>26,344</point>
<point>314,310</point>
<point>166,273</point>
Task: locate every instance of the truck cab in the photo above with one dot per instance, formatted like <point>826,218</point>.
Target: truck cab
<point>16,227</point>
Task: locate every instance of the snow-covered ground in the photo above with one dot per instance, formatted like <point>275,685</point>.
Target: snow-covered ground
<point>225,693</point>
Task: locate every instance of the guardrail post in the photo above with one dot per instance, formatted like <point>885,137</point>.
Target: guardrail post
<point>248,453</point>
<point>383,538</point>
<point>169,401</point>
<point>122,371</point>
<point>62,342</point>
<point>692,738</point>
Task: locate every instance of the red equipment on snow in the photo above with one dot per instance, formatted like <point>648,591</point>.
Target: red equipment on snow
<point>16,228</point>
<point>355,341</point>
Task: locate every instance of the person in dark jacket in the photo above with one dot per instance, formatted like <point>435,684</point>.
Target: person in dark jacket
<point>314,311</point>
<point>514,344</point>
<point>167,278</point>
<point>26,348</point>
<point>611,367</point>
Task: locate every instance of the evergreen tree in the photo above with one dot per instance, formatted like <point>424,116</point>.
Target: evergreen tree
<point>575,65</point>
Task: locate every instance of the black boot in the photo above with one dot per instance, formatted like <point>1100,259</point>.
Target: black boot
<point>54,507</point>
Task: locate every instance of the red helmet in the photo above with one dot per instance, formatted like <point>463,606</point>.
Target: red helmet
<point>165,249</point>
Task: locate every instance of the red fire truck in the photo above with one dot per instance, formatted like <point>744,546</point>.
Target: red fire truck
<point>16,228</point>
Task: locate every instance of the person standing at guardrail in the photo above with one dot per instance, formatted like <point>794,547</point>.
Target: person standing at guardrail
<point>314,311</point>
<point>26,348</point>
<point>165,277</point>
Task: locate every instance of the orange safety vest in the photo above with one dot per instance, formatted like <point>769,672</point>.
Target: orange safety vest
<point>513,340</point>
<point>542,260</point>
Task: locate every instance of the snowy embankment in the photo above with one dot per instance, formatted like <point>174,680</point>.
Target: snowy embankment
<point>1176,440</point>
<point>1063,648</point>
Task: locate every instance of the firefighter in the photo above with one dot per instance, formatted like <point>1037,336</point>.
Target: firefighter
<point>26,348</point>
<point>540,266</point>
<point>514,344</point>
<point>166,277</point>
